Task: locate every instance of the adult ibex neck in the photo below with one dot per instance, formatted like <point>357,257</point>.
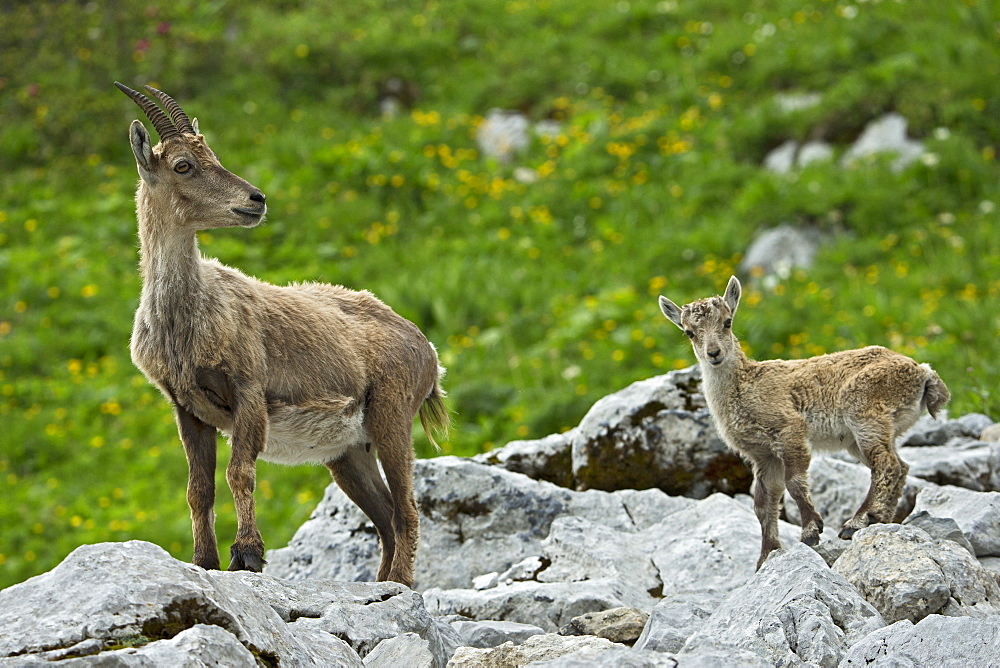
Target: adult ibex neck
<point>170,264</point>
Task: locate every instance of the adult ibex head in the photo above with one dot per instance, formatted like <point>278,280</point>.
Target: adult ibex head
<point>182,169</point>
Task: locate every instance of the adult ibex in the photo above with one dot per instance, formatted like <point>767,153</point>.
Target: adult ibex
<point>772,412</point>
<point>306,373</point>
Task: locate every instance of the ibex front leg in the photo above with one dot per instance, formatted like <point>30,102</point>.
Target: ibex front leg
<point>200,446</point>
<point>248,440</point>
<point>769,486</point>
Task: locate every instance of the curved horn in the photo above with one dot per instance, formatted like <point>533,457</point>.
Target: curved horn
<point>181,119</point>
<point>164,126</point>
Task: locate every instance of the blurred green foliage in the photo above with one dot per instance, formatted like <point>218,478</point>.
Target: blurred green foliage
<point>539,293</point>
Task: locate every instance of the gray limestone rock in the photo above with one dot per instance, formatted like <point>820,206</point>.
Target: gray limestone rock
<point>906,574</point>
<point>812,152</point>
<point>483,517</point>
<point>579,549</point>
<point>781,158</point>
<point>712,547</point>
<point>492,633</point>
<point>656,433</point>
<point>619,625</point>
<point>503,134</point>
<point>977,514</point>
<point>363,614</point>
<point>940,430</point>
<point>201,646</point>
<point>934,641</point>
<point>549,458</point>
<point>965,463</point>
<point>675,619</point>
<point>991,433</point>
<point>778,250</point>
<point>103,594</point>
<point>886,134</point>
<point>940,528</point>
<point>407,649</point>
<point>794,610</point>
<point>626,657</point>
<point>549,605</point>
<point>536,648</point>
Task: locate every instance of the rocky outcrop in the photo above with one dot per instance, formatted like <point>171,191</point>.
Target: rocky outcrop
<point>655,433</point>
<point>514,568</point>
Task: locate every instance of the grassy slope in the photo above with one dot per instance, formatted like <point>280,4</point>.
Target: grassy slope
<point>541,296</point>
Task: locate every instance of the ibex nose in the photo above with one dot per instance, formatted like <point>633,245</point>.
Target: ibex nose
<point>714,353</point>
<point>257,196</point>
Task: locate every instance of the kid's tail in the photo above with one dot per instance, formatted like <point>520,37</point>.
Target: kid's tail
<point>434,414</point>
<point>936,393</point>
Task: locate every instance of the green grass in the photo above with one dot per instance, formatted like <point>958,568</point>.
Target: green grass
<point>541,296</point>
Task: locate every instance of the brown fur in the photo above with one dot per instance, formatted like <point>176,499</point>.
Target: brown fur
<point>309,373</point>
<point>775,412</point>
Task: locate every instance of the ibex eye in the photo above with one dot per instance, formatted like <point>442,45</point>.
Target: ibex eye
<point>689,333</point>
<point>728,323</point>
<point>182,166</point>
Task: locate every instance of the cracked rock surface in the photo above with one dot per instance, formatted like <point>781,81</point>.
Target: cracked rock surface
<point>545,552</point>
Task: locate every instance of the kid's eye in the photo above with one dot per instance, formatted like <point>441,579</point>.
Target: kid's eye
<point>728,323</point>
<point>182,166</point>
<point>689,333</point>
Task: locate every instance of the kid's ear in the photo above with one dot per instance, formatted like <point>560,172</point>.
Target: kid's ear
<point>733,292</point>
<point>142,149</point>
<point>671,311</point>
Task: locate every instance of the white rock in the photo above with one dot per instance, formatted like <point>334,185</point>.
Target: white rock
<point>407,649</point>
<point>974,465</point>
<point>675,619</point>
<point>781,158</point>
<point>778,250</point>
<point>934,641</point>
<point>656,433</point>
<point>886,134</point>
<point>483,517</point>
<point>102,593</point>
<point>711,548</point>
<point>503,134</point>
<point>794,610</point>
<point>492,633</point>
<point>906,574</point>
<point>549,605</point>
<point>813,152</point>
<point>536,648</point>
<point>977,513</point>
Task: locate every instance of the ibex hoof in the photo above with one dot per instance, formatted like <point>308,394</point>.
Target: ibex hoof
<point>847,533</point>
<point>210,563</point>
<point>812,540</point>
<point>245,559</point>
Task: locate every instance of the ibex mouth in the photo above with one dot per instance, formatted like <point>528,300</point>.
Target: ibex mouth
<point>253,215</point>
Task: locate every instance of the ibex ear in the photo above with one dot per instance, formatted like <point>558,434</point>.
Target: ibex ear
<point>142,149</point>
<point>733,292</point>
<point>194,124</point>
<point>670,310</point>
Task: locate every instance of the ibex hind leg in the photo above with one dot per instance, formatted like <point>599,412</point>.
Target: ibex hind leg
<point>396,453</point>
<point>357,474</point>
<point>888,476</point>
